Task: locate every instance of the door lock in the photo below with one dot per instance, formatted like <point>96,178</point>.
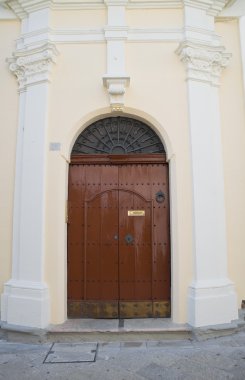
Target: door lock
<point>115,237</point>
<point>129,239</point>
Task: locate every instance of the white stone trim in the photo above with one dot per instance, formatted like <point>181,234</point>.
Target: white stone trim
<point>204,63</point>
<point>6,14</point>
<point>212,7</point>
<point>25,300</point>
<point>212,305</point>
<point>22,8</point>
<point>116,33</point>
<point>116,89</point>
<point>99,35</point>
<point>236,9</point>
<point>33,66</point>
<point>242,45</point>
<point>25,303</point>
<point>211,297</point>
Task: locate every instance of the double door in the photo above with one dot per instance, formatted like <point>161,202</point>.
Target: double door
<point>118,241</point>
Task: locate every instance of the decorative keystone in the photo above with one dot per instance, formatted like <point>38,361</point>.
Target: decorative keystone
<point>33,66</point>
<point>116,89</point>
<point>204,63</point>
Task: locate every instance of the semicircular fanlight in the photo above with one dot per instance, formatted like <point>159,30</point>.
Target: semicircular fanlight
<point>118,135</point>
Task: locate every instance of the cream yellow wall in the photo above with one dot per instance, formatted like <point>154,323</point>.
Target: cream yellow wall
<point>86,18</point>
<point>158,87</point>
<point>9,31</point>
<point>76,90</point>
<point>157,94</point>
<point>154,18</point>
<point>232,104</point>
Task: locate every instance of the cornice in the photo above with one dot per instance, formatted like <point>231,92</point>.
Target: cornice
<point>212,7</point>
<point>23,7</point>
<point>32,66</point>
<point>204,63</point>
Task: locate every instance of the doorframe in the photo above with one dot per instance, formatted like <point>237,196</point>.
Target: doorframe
<point>124,159</point>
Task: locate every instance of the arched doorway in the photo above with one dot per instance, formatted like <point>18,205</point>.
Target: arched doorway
<point>118,222</point>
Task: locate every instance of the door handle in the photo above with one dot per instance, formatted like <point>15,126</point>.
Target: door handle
<point>129,239</point>
<point>115,237</point>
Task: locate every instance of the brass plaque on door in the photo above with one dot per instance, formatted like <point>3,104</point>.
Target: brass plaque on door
<point>136,212</point>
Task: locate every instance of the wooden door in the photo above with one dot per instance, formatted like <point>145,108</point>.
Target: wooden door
<point>118,240</point>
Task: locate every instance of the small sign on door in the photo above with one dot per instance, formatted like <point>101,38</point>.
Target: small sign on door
<point>136,212</point>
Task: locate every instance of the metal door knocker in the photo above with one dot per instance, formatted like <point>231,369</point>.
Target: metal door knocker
<point>160,197</point>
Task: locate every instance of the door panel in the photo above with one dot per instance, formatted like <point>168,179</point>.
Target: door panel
<point>101,247</point>
<point>108,275</point>
<point>135,267</point>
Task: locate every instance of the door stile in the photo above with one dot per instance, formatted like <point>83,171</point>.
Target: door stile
<point>152,253</point>
<point>85,252</point>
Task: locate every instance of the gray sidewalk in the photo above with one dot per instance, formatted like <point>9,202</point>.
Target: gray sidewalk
<point>216,358</point>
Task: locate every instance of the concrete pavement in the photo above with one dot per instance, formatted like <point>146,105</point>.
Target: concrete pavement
<point>215,358</point>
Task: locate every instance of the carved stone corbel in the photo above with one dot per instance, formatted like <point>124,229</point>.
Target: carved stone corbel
<point>116,88</point>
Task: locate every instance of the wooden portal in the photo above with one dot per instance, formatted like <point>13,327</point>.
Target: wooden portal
<point>118,236</point>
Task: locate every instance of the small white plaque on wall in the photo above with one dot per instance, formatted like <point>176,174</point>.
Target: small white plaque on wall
<point>54,146</point>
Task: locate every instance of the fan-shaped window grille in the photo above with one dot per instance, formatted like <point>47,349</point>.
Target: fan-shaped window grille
<point>118,135</point>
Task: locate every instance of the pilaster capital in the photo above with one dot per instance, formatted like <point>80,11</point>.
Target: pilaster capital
<point>32,66</point>
<point>204,62</point>
<point>116,89</point>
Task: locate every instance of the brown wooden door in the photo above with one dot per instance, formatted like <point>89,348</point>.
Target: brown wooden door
<point>118,241</point>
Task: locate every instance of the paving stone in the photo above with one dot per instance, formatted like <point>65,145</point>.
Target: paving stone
<point>133,345</point>
<point>169,343</point>
<point>213,359</point>
<point>71,352</point>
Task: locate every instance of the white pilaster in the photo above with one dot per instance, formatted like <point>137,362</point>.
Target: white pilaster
<point>211,299</point>
<point>25,300</point>
<point>242,44</point>
<point>116,31</point>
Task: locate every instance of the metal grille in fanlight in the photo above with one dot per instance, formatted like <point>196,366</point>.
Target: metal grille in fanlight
<point>118,135</point>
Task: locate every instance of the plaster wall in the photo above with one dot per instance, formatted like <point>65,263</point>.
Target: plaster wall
<point>9,31</point>
<point>233,139</point>
<point>88,18</point>
<point>157,95</point>
<point>154,18</point>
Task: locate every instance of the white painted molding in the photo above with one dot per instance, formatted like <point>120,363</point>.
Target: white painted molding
<point>98,35</point>
<point>6,14</point>
<point>25,303</point>
<point>213,304</point>
<point>203,62</point>
<point>212,7</point>
<point>116,89</point>
<point>116,33</point>
<point>236,9</point>
<point>33,66</point>
<point>22,7</point>
<point>242,45</point>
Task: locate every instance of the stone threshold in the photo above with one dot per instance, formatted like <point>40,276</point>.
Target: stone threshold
<point>106,330</point>
<point>119,325</point>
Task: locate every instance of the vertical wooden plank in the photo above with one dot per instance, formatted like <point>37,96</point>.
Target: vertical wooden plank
<point>161,233</point>
<point>102,247</point>
<point>75,234</point>
<point>135,268</point>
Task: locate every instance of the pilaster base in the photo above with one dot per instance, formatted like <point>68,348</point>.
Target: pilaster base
<point>212,305</point>
<point>25,303</point>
